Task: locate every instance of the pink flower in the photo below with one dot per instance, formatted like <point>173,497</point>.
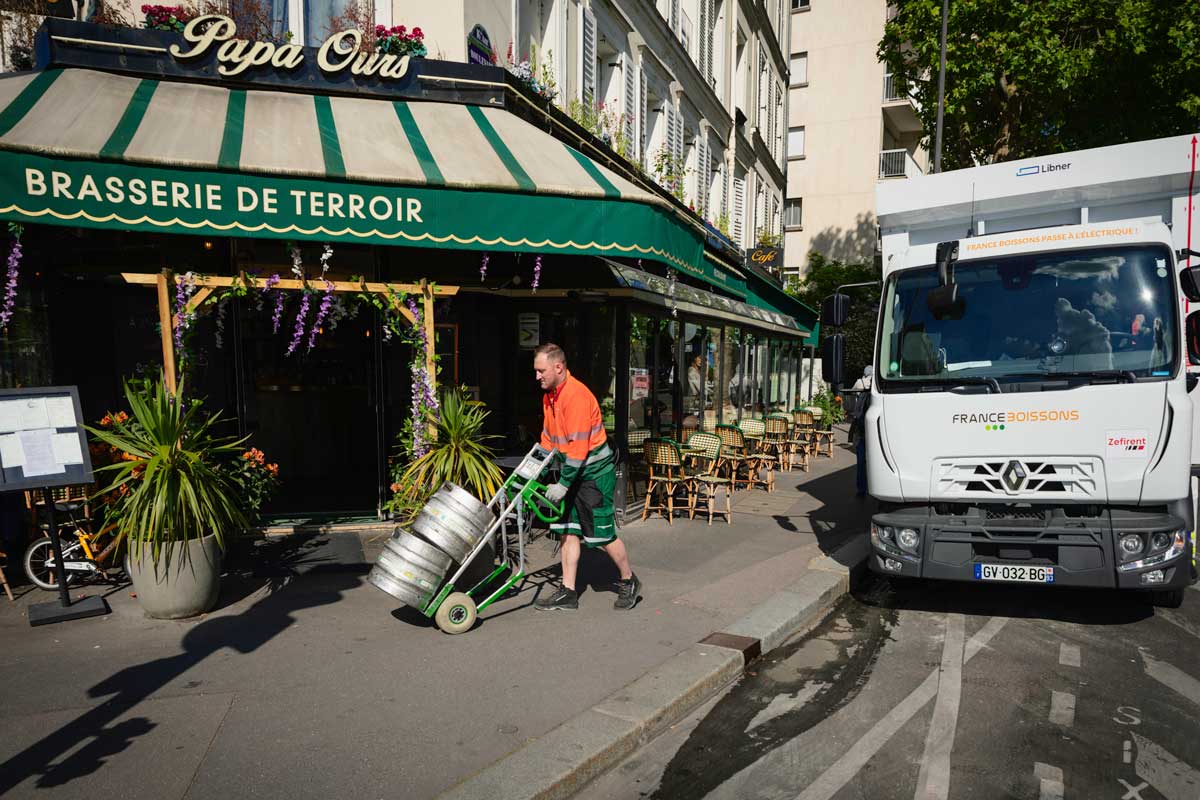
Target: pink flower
<point>417,33</point>
<point>399,30</point>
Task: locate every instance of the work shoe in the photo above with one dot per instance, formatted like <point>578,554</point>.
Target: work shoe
<point>627,593</point>
<point>563,598</point>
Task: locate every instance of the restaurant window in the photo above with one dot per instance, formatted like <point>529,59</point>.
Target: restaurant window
<point>698,382</point>
<point>641,349</point>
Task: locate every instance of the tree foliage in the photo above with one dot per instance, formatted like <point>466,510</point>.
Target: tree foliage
<point>820,281</point>
<point>1033,78</point>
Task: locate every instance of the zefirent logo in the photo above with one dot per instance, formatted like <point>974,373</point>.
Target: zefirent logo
<point>1038,169</point>
<point>1127,442</point>
<point>1000,420</point>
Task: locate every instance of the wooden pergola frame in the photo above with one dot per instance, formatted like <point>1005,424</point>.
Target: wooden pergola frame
<point>165,282</point>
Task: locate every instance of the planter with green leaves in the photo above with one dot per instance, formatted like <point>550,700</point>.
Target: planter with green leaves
<point>178,498</point>
<point>458,453</point>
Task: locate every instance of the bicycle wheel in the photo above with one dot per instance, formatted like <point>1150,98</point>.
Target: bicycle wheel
<point>37,557</point>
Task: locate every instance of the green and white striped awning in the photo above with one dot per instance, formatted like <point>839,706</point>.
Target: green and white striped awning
<point>87,148</point>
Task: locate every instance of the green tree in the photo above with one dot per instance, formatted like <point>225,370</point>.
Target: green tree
<point>820,281</point>
<point>1033,78</point>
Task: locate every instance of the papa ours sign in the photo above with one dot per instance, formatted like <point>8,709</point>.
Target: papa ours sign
<point>213,34</point>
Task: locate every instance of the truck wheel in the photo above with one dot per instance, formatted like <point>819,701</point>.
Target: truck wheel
<point>456,614</point>
<point>1168,598</point>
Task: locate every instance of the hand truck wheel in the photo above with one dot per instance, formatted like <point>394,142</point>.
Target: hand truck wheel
<point>456,614</point>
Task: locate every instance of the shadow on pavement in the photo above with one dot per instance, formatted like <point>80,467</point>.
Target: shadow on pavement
<point>297,582</point>
<point>1062,604</point>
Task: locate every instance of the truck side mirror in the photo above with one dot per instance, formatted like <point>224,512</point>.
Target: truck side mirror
<point>944,302</point>
<point>835,310</point>
<point>833,358</point>
<point>1192,333</point>
<point>1189,282</point>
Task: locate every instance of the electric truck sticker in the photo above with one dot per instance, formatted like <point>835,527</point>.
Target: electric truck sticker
<point>1127,444</point>
<point>1000,420</point>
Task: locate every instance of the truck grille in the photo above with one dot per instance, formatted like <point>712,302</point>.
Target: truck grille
<point>1043,478</point>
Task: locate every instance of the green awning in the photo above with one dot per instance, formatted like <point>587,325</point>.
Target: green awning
<point>762,293</point>
<point>86,148</point>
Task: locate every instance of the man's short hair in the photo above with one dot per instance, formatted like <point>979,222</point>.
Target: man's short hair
<point>551,351</point>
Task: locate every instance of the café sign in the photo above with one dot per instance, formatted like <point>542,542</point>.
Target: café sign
<point>765,257</point>
<point>214,33</point>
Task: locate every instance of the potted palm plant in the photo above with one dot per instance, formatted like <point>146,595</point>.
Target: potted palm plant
<point>457,453</point>
<point>178,496</point>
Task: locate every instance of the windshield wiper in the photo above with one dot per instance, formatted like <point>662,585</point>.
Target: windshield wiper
<point>936,384</point>
<point>1117,375</point>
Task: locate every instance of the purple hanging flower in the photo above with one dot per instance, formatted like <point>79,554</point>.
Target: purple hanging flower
<point>537,272</point>
<point>322,312</point>
<point>483,265</point>
<point>298,333</point>
<point>220,336</point>
<point>424,399</point>
<point>14,266</point>
<point>277,315</point>
<point>185,287</point>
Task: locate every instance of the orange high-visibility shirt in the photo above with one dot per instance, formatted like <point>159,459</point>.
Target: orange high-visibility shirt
<point>573,424</point>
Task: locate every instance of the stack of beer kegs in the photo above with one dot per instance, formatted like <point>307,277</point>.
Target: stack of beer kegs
<point>414,562</point>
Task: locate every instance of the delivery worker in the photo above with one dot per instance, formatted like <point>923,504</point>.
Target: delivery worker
<point>573,424</point>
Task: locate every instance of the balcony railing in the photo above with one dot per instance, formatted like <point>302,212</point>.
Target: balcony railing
<point>897,164</point>
<point>893,90</point>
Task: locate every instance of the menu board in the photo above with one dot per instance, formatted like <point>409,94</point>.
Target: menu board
<point>42,439</point>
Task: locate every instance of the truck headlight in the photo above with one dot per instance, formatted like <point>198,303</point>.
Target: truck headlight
<point>908,539</point>
<point>883,534</point>
<point>1175,547</point>
<point>1160,541</point>
<point>1131,544</point>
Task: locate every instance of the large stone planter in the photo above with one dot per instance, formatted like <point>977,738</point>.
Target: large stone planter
<point>185,581</point>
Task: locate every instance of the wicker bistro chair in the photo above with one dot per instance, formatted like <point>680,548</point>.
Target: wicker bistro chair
<point>636,460</point>
<point>706,479</point>
<point>823,442</point>
<point>804,436</point>
<point>778,441</point>
<point>667,477</point>
<point>755,431</point>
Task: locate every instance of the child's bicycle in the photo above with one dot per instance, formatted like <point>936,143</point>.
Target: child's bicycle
<point>84,553</point>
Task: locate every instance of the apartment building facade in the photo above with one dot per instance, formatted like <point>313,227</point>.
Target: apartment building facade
<point>849,127</point>
<point>696,88</point>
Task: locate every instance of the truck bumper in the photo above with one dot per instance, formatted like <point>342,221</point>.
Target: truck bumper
<point>1082,552</point>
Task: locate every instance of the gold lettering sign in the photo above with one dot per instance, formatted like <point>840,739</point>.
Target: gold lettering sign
<point>763,256</point>
<point>213,32</point>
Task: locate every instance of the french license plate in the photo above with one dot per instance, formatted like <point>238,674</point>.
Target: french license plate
<point>1014,573</point>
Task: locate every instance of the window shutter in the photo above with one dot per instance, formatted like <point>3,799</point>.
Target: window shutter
<point>739,208</point>
<point>679,138</point>
<point>675,17</point>
<point>769,132</point>
<point>704,44</point>
<point>762,90</point>
<point>643,119</point>
<point>724,178</point>
<point>588,89</point>
<point>702,172</point>
<point>630,109</point>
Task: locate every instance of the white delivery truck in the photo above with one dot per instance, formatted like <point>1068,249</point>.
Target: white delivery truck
<point>1032,415</point>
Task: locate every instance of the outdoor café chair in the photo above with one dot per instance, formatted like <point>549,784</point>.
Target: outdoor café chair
<point>756,431</point>
<point>778,440</point>
<point>736,460</point>
<point>636,459</point>
<point>823,441</point>
<point>667,477</point>
<point>705,478</point>
<point>804,436</point>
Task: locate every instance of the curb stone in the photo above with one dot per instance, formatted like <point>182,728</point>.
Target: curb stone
<point>560,763</point>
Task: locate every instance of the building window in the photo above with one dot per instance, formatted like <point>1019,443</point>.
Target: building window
<point>799,69</point>
<point>685,32</point>
<point>792,217</point>
<point>795,147</point>
<point>799,5</point>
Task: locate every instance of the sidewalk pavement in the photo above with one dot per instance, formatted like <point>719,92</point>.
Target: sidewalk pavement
<point>307,681</point>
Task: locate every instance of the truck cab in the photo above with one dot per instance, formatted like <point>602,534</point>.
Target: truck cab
<point>1031,417</point>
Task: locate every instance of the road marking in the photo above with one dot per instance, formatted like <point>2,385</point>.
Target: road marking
<point>1128,757</point>
<point>1051,781</point>
<point>1178,621</point>
<point>831,781</point>
<point>1062,708</point>
<point>1173,677</point>
<point>1174,779</point>
<point>933,782</point>
<point>1068,655</point>
<point>1135,792</point>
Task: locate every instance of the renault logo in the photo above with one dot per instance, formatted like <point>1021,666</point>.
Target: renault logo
<point>1014,476</point>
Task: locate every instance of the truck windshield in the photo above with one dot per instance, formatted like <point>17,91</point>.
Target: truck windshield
<point>1085,313</point>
